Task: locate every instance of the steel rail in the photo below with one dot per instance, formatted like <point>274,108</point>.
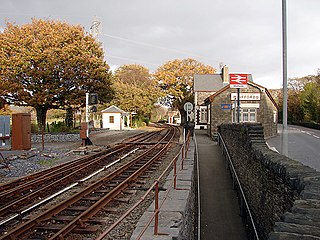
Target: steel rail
<point>53,183</point>
<point>106,232</point>
<point>60,207</point>
<point>91,211</point>
<point>35,179</point>
<point>21,206</point>
<point>62,171</point>
<point>44,173</point>
<point>243,197</point>
<point>140,137</point>
<point>22,180</point>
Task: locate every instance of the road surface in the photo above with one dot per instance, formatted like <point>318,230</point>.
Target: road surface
<point>303,144</point>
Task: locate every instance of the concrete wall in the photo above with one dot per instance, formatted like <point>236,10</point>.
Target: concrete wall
<point>283,194</point>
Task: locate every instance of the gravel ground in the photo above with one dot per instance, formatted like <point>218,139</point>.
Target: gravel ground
<point>21,163</point>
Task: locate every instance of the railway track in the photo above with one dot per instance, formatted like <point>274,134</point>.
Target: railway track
<point>20,196</point>
<point>76,213</point>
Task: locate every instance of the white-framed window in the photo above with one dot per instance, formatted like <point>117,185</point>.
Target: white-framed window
<point>275,117</point>
<point>111,119</point>
<point>203,114</point>
<point>246,115</point>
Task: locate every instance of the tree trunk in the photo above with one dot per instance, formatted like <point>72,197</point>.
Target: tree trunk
<point>183,115</point>
<point>41,116</point>
<point>69,117</point>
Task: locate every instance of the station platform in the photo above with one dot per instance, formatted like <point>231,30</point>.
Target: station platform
<point>219,209</point>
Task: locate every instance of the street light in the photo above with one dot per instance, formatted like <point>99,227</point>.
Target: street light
<point>285,80</point>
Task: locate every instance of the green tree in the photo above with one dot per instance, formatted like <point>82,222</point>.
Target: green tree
<point>176,80</point>
<point>303,99</point>
<point>135,90</point>
<point>310,97</point>
<point>49,65</point>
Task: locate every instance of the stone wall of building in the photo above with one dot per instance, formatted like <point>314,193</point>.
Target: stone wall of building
<point>268,116</point>
<point>201,96</point>
<point>282,193</point>
<point>217,115</point>
<point>265,112</point>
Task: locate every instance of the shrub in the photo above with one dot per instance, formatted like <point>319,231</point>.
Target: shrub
<point>59,127</point>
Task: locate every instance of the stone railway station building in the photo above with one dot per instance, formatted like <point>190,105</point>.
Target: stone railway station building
<point>215,103</point>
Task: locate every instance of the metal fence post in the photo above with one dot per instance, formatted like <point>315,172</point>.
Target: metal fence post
<point>175,174</point>
<point>156,209</point>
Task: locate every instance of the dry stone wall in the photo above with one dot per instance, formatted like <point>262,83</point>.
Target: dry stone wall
<point>284,195</point>
<point>56,137</point>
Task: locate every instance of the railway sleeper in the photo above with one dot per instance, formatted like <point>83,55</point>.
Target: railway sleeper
<point>109,184</point>
<point>110,209</point>
<point>144,176</point>
<point>57,227</point>
<point>91,198</point>
<point>146,143</point>
<point>129,191</point>
<point>122,199</point>
<point>77,208</point>
<point>124,176</point>
<point>99,221</point>
<point>141,182</point>
<point>104,191</point>
<point>150,170</point>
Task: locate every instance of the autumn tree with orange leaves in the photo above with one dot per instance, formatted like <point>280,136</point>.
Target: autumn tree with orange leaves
<point>50,65</point>
<point>135,90</point>
<point>176,80</point>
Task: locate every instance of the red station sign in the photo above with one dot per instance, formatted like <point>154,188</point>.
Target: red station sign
<point>238,80</point>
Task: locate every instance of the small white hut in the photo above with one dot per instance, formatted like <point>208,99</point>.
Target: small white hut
<point>115,118</point>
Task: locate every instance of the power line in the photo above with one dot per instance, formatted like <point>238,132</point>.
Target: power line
<point>132,60</point>
<point>156,46</point>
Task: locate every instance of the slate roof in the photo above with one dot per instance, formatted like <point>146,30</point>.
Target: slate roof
<point>113,109</point>
<point>207,82</point>
<point>210,82</point>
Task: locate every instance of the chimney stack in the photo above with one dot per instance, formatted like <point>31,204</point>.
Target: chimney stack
<point>225,75</point>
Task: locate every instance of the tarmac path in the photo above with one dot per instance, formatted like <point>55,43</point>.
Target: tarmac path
<point>219,208</point>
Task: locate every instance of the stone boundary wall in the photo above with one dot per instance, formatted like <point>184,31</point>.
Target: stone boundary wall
<point>55,137</point>
<point>283,194</point>
<point>62,137</point>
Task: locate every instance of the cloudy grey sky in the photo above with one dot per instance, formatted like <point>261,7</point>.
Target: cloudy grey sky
<point>243,34</point>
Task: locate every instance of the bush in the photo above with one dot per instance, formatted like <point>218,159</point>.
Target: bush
<point>59,127</point>
<point>312,125</point>
<point>142,122</point>
<point>34,128</point>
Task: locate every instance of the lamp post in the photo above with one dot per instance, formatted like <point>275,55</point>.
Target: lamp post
<point>285,80</point>
<point>284,63</point>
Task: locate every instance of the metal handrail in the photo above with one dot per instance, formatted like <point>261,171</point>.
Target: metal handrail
<point>239,185</point>
<point>155,187</point>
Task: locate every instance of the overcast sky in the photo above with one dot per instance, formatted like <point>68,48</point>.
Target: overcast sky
<point>243,34</point>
